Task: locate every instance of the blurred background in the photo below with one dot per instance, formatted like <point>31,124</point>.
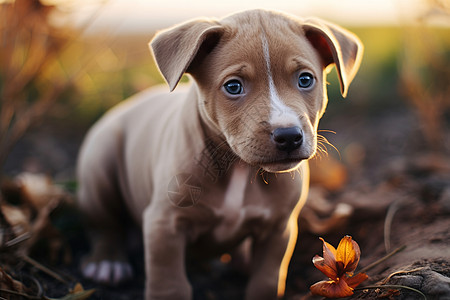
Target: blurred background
<point>64,62</point>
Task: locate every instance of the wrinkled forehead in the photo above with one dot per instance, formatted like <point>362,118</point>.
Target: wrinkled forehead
<point>250,37</point>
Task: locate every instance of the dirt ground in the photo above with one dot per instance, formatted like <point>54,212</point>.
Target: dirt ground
<point>397,193</point>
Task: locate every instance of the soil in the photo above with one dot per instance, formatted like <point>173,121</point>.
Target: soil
<point>398,192</point>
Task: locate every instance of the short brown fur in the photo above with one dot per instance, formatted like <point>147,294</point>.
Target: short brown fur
<point>134,158</point>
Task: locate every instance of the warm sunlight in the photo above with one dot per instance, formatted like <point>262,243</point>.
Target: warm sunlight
<point>140,15</point>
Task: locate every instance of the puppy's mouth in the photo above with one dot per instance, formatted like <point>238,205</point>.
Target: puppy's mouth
<point>281,165</point>
<point>272,156</point>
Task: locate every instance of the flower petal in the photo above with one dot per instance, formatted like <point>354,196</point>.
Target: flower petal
<point>356,280</point>
<point>329,271</point>
<point>348,253</point>
<point>329,256</point>
<point>331,289</point>
<point>328,248</point>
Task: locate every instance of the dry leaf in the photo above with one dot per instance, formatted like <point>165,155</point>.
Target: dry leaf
<point>16,217</point>
<point>15,223</point>
<point>321,216</point>
<point>39,190</point>
<point>328,173</point>
<point>35,197</point>
<point>8,283</point>
<point>78,293</point>
<point>338,265</point>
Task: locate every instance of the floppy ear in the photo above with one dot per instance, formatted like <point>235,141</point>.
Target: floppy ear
<point>175,48</point>
<point>336,45</point>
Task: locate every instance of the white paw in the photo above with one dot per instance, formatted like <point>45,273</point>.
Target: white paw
<point>108,272</point>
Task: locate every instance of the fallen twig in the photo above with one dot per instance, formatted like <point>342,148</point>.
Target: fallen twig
<point>44,269</point>
<point>10,292</point>
<point>400,272</point>
<point>388,223</point>
<point>392,286</point>
<point>372,265</point>
<point>18,239</point>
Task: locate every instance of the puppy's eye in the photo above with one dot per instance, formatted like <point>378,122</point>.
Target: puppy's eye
<point>305,80</point>
<point>234,87</point>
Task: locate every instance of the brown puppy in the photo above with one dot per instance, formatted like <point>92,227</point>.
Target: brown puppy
<point>221,161</point>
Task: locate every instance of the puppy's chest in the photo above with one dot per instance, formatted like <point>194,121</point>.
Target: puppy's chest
<point>237,213</point>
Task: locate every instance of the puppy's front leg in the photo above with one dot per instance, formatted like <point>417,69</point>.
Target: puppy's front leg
<point>266,261</point>
<point>164,258</point>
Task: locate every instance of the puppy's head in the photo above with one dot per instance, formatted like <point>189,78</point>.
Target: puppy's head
<point>261,79</point>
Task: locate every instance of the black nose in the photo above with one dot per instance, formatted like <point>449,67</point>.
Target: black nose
<point>287,139</point>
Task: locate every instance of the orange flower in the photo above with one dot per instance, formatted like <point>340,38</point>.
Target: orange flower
<point>338,265</point>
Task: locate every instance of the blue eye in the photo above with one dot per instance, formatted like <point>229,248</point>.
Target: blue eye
<point>305,80</point>
<point>234,87</point>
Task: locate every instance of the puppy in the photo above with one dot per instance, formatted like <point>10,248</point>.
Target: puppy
<point>218,162</point>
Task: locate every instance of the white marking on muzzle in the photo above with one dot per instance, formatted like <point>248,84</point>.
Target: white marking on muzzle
<point>280,114</point>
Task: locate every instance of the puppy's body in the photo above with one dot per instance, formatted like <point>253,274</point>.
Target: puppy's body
<point>187,165</point>
<point>116,163</point>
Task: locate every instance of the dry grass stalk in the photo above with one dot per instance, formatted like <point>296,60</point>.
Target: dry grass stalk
<point>30,47</point>
<point>425,75</point>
